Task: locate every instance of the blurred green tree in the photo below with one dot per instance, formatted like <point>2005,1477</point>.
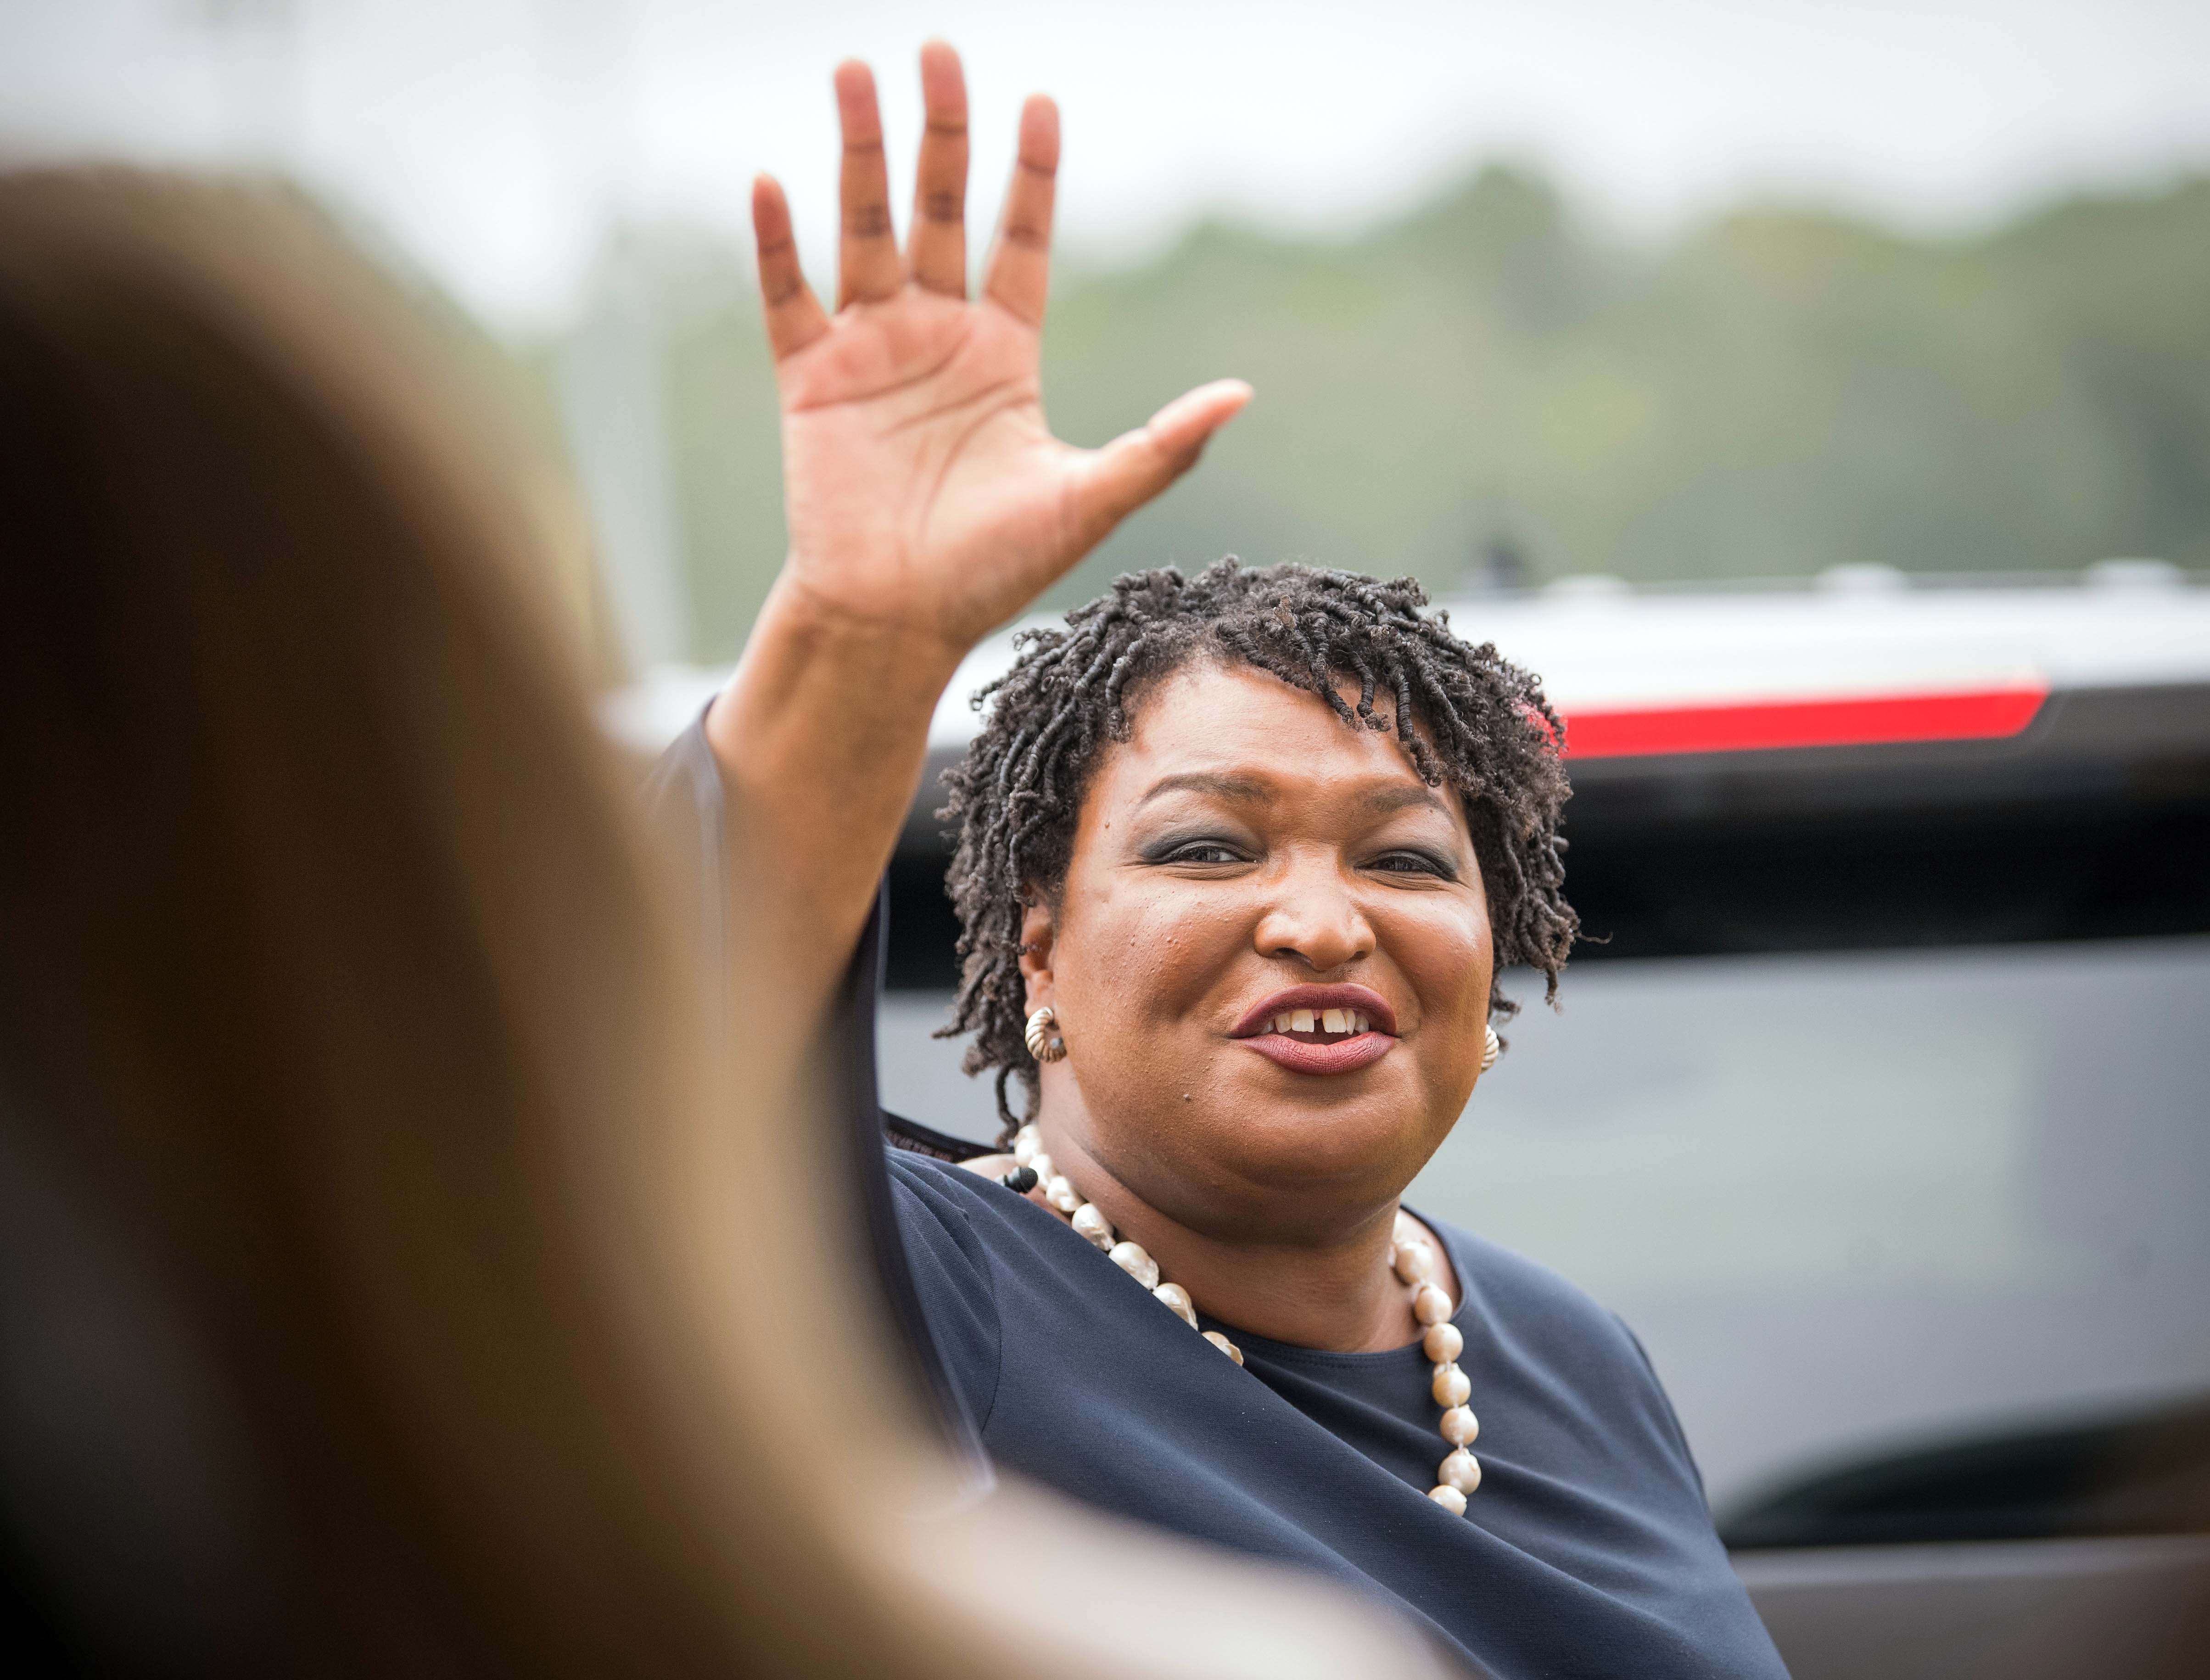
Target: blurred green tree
<point>1771,393</point>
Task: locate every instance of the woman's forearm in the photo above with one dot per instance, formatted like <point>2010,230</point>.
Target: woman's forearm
<point>820,738</point>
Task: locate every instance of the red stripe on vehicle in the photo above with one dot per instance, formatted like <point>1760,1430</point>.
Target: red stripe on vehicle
<point>1761,726</point>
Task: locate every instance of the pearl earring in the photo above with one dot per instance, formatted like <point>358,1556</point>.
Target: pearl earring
<point>1490,1045</point>
<point>1044,1044</point>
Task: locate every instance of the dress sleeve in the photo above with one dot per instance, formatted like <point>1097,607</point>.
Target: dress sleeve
<point>952,1277</point>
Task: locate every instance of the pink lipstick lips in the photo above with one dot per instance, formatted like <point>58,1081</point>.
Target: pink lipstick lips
<point>1320,1029</point>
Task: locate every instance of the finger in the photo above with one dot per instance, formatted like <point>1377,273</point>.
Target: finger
<point>936,252</point>
<point>1136,466</point>
<point>866,257</point>
<point>794,314</point>
<point>1020,263</point>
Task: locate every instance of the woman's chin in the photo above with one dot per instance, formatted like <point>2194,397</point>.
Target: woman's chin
<point>1345,1135</point>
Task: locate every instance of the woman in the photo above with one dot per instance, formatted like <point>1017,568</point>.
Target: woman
<point>1239,857</point>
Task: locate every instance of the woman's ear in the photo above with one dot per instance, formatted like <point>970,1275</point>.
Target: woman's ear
<point>1036,935</point>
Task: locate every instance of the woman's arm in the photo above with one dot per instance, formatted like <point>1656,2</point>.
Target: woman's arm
<point>928,503</point>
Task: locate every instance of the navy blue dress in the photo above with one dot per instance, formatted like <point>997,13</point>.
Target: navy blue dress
<point>1587,1549</point>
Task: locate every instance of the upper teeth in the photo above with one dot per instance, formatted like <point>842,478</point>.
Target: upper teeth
<point>1322,1020</point>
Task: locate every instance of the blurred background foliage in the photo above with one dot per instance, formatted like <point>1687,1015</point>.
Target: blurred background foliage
<point>1491,390</point>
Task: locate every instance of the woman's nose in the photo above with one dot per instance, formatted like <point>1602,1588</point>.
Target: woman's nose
<point>1314,917</point>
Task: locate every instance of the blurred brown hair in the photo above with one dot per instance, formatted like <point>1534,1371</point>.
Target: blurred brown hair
<point>295,773</point>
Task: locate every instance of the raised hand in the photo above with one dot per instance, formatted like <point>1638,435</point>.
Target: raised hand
<point>923,487</point>
<point>927,502</point>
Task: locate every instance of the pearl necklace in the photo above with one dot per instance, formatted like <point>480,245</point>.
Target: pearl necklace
<point>1410,1257</point>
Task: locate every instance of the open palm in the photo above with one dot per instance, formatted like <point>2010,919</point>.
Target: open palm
<point>922,485</point>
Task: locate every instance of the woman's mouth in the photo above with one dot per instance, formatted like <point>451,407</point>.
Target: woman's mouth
<point>1320,1029</point>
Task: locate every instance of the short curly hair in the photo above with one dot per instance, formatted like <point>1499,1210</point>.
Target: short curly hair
<point>1465,716</point>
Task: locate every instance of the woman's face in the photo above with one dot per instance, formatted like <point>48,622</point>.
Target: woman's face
<point>1271,962</point>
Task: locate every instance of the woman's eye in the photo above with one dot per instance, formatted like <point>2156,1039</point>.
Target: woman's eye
<point>1413,863</point>
<point>1203,851</point>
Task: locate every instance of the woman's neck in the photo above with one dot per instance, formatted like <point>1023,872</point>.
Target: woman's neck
<point>1336,1293</point>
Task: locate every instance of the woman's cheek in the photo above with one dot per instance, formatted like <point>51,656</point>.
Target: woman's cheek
<point>1177,950</point>
<point>1137,971</point>
<point>1447,955</point>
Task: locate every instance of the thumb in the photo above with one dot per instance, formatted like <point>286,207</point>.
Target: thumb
<point>1117,480</point>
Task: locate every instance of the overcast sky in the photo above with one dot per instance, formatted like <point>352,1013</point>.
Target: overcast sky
<point>494,138</point>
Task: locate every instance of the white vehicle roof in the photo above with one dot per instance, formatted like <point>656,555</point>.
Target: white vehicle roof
<point>1862,642</point>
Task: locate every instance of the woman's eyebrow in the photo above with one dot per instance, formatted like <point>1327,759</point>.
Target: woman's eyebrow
<point>1253,790</point>
<point>1402,796</point>
<point>1244,789</point>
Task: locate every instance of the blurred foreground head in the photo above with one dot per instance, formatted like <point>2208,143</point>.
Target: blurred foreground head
<point>392,1283</point>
